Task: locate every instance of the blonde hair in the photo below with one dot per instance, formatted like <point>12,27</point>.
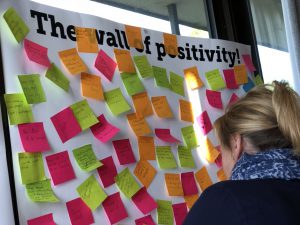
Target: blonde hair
<point>268,116</point>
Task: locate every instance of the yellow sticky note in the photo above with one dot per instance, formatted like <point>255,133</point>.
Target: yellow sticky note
<point>124,61</point>
<point>170,42</point>
<point>161,107</point>
<point>192,78</point>
<point>203,178</point>
<point>41,191</point>
<point>211,153</point>
<point>138,124</point>
<point>86,40</point>
<point>142,104</point>
<point>173,184</point>
<point>146,148</point>
<point>221,175</point>
<point>91,86</point>
<point>240,73</point>
<point>190,200</point>
<point>134,36</point>
<point>145,172</point>
<point>186,111</point>
<point>72,61</point>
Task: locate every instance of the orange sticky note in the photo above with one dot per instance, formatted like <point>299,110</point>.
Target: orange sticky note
<point>192,78</point>
<point>145,172</point>
<point>221,175</point>
<point>146,148</point>
<point>134,36</point>
<point>142,104</point>
<point>161,107</point>
<point>203,178</point>
<point>190,200</point>
<point>91,86</point>
<point>186,111</point>
<point>86,40</point>
<point>170,42</point>
<point>211,153</point>
<point>173,184</point>
<point>240,73</point>
<point>138,124</point>
<point>72,61</point>
<point>124,61</point>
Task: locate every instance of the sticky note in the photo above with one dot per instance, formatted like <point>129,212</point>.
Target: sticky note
<point>176,83</point>
<point>124,151</point>
<point>211,153</point>
<point>124,61</point>
<point>72,61</point>
<point>134,37</point>
<point>249,64</point>
<point>218,160</point>
<point>214,99</point>
<point>31,167</point>
<point>144,201</point>
<point>105,64</point>
<point>230,79</point>
<point>16,24</point>
<point>203,178</point>
<point>221,175</point>
<point>60,167</point>
<point>186,111</point>
<point>91,193</point>
<point>42,220</point>
<point>258,80</point>
<point>143,65</point>
<point>84,114</point>
<point>190,200</point>
<point>165,157</point>
<point>138,124</point>
<point>132,83</point>
<point>114,208</point>
<point>240,73</point>
<point>116,102</point>
<point>189,185</point>
<point>215,80</point>
<point>164,212</point>
<point>173,184</point>
<point>107,171</point>
<point>91,86</point>
<point>103,130</point>
<point>170,43</point>
<point>86,158</point>
<point>41,191</point>
<point>146,220</point>
<point>18,109</point>
<point>36,53</point>
<point>86,40</point>
<point>192,78</point>
<point>57,77</point>
<point>189,137</point>
<point>33,137</point>
<point>79,212</point>
<point>180,212</point>
<point>161,107</point>
<point>185,157</point>
<point>145,172</point>
<point>142,104</point>
<point>233,99</point>
<point>248,86</point>
<point>204,123</point>
<point>66,124</point>
<point>161,77</point>
<point>165,135</point>
<point>126,183</point>
<point>146,148</point>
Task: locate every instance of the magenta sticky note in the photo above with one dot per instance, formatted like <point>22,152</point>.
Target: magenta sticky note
<point>230,79</point>
<point>42,220</point>
<point>249,64</point>
<point>79,212</point>
<point>146,220</point>
<point>104,131</point>
<point>105,64</point>
<point>60,167</point>
<point>124,151</point>
<point>114,208</point>
<point>189,185</point>
<point>233,99</point>
<point>37,53</point>
<point>180,212</point>
<point>66,124</point>
<point>165,135</point>
<point>204,123</point>
<point>107,171</point>
<point>144,201</point>
<point>214,99</point>
<point>33,137</point>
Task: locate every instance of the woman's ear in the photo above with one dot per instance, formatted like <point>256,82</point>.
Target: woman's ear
<point>236,146</point>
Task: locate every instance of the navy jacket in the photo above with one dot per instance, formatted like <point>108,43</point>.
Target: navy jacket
<point>248,202</point>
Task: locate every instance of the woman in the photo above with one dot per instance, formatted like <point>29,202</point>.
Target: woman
<point>260,145</point>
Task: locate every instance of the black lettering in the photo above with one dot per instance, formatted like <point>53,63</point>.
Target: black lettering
<point>40,17</point>
<point>54,26</point>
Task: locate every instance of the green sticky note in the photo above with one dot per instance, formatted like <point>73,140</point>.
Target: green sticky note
<point>84,114</point>
<point>56,76</point>
<point>165,212</point>
<point>91,192</point>
<point>41,191</point>
<point>32,88</point>
<point>16,24</point>
<point>19,111</point>
<point>215,80</point>
<point>258,80</point>
<point>161,77</point>
<point>185,157</point>
<point>132,83</point>
<point>189,137</point>
<point>116,101</point>
<point>31,167</point>
<point>126,183</point>
<point>143,65</point>
<point>86,158</point>
<point>165,157</point>
<point>176,83</point>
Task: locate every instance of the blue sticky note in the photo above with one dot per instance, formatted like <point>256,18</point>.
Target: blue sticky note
<point>248,86</point>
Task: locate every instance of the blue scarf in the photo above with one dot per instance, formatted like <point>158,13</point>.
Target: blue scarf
<point>270,164</point>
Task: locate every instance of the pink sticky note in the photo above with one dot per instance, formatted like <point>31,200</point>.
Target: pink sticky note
<point>165,135</point>
<point>189,185</point>
<point>204,123</point>
<point>37,53</point>
<point>114,208</point>
<point>103,130</point>
<point>79,212</point>
<point>124,151</point>
<point>60,167</point>
<point>214,99</point>
<point>249,64</point>
<point>233,99</point>
<point>230,79</point>
<point>180,212</point>
<point>107,171</point>
<point>33,137</point>
<point>146,220</point>
<point>105,65</point>
<point>42,220</point>
<point>66,124</point>
<point>143,201</point>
